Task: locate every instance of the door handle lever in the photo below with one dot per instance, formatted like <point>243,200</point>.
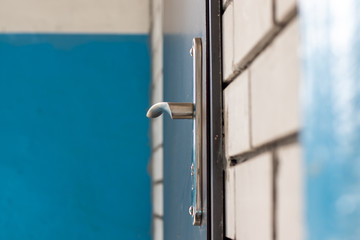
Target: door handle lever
<point>175,110</point>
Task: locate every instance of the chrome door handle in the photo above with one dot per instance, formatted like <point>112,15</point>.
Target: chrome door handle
<point>190,111</point>
<point>175,110</point>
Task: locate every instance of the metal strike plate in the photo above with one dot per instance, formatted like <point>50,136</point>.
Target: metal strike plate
<point>190,111</point>
<point>195,209</point>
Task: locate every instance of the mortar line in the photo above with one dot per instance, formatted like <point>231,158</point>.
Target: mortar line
<point>283,141</point>
<point>262,45</point>
<point>225,6</point>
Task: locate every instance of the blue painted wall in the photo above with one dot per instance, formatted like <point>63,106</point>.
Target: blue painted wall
<point>73,137</point>
<point>331,136</point>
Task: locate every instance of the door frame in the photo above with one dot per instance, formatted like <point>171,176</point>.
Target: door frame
<point>216,224</point>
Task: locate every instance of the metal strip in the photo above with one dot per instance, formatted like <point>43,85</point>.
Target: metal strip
<point>196,167</point>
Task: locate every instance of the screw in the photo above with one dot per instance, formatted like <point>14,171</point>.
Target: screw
<point>191,210</point>
<point>192,169</point>
<point>191,51</point>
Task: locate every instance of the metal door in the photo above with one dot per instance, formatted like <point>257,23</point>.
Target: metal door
<point>183,21</point>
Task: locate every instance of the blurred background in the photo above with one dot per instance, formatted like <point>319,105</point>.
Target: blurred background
<point>79,159</point>
<point>74,146</point>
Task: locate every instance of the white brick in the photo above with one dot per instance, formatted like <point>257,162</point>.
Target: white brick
<point>157,131</point>
<point>230,203</point>
<point>253,198</point>
<point>157,38</point>
<point>157,90</point>
<point>289,194</point>
<point>156,4</point>
<point>157,22</point>
<point>157,62</point>
<point>224,2</point>
<point>274,81</point>
<point>158,201</point>
<point>228,41</point>
<point>236,102</point>
<point>157,164</point>
<point>283,8</point>
<point>158,229</point>
<point>252,21</point>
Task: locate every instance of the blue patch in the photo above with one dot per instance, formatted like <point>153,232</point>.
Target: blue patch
<point>331,136</point>
<point>73,137</point>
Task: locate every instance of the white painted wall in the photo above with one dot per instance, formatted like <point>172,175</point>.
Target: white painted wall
<point>75,16</point>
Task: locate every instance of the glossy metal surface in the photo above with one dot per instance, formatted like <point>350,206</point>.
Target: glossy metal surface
<point>196,188</point>
<point>175,110</point>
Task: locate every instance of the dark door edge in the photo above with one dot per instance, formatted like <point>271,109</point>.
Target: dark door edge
<point>215,126</point>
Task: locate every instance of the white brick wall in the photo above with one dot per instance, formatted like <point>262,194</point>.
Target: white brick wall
<point>253,198</point>
<point>230,220</point>
<point>252,22</point>
<point>261,109</point>
<point>157,23</point>
<point>156,131</point>
<point>225,2</point>
<point>158,203</point>
<point>228,41</point>
<point>157,165</point>
<point>157,89</point>
<point>157,123</point>
<point>289,186</point>
<point>283,8</point>
<point>275,88</point>
<point>158,229</point>
<point>236,115</point>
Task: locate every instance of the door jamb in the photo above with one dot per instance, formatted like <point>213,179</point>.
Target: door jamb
<point>215,127</point>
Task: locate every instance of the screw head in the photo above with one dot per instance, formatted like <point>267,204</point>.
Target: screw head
<point>191,210</point>
<point>191,51</point>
